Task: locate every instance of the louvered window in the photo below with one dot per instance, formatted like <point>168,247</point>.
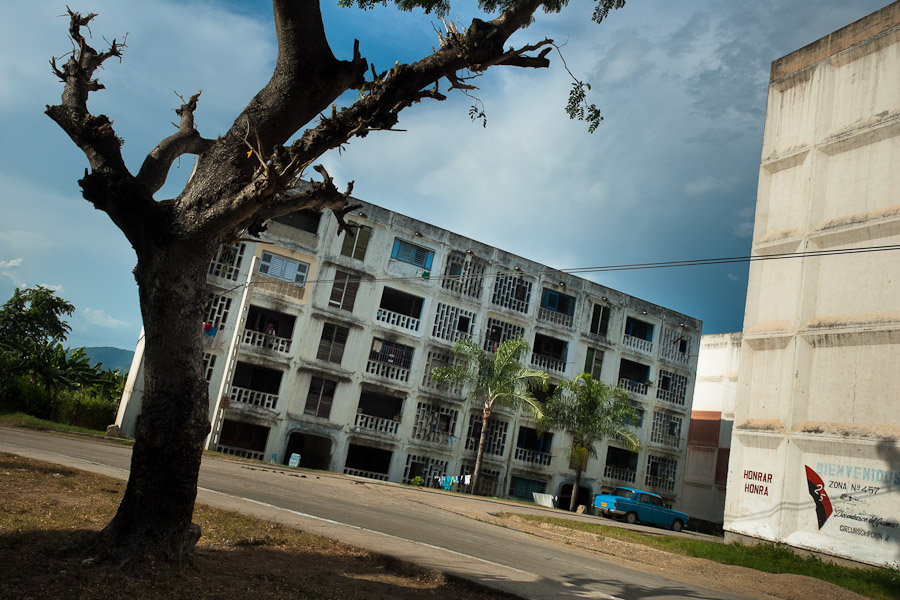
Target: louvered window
<point>331,346</point>
<point>283,268</point>
<point>355,242</point>
<point>320,397</point>
<point>410,253</point>
<point>343,292</point>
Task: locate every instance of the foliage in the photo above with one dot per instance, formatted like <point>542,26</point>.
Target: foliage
<point>417,481</point>
<point>442,7</point>
<point>35,313</point>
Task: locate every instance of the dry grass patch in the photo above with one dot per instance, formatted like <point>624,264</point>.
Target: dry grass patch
<point>45,508</point>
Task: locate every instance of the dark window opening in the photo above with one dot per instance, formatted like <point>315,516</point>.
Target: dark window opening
<point>639,329</point>
<point>665,382</point>
<point>543,395</point>
<point>383,406</point>
<point>558,302</point>
<point>529,439</point>
<point>600,319</point>
<point>304,220</point>
<point>548,346</point>
<point>634,371</point>
<point>463,324</point>
<point>401,303</point>
<point>270,321</point>
<point>314,451</point>
<point>344,290</point>
<point>367,458</point>
<point>682,346</point>
<point>259,379</point>
<point>593,363</point>
<point>619,458</point>
<point>244,435</point>
<point>519,487</point>
<point>391,353</point>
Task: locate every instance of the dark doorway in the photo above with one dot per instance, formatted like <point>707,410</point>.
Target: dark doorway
<point>314,450</point>
<point>585,496</point>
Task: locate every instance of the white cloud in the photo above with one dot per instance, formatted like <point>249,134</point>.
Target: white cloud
<point>744,227</point>
<point>707,184</point>
<point>55,287</point>
<point>98,317</point>
<point>733,277</point>
<point>9,264</point>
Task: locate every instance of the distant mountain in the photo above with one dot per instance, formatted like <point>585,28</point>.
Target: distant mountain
<point>112,358</point>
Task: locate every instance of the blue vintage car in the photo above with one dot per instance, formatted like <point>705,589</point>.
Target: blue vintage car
<point>636,505</point>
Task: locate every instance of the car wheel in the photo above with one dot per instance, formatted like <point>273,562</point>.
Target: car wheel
<point>677,525</point>
<point>631,518</point>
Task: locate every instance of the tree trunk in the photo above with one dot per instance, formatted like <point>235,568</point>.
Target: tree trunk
<point>154,518</point>
<point>479,456</point>
<point>573,503</point>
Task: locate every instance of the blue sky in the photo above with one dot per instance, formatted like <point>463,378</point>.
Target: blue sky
<point>670,174</point>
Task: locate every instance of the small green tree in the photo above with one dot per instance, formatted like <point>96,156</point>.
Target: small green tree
<point>498,380</point>
<point>590,410</point>
<point>35,313</point>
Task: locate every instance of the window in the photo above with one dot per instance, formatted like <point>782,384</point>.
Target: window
<point>285,269</point>
<point>355,242</point>
<point>209,364</point>
<point>672,387</point>
<point>594,363</point>
<point>227,261</point>
<point>520,487</point>
<point>600,320</point>
<point>304,220</point>
<point>513,292</point>
<point>216,312</point>
<point>464,274</point>
<point>412,254</point>
<point>244,435</point>
<point>557,302</point>
<point>495,438</point>
<point>320,397</point>
<point>391,353</point>
<point>451,322</point>
<point>343,291</point>
<point>498,332</point>
<point>639,329</point>
<point>331,346</point>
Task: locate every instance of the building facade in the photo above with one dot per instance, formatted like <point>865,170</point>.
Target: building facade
<point>712,419</point>
<point>815,456</point>
<point>320,345</point>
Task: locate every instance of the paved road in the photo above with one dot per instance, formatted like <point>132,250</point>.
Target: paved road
<point>434,529</point>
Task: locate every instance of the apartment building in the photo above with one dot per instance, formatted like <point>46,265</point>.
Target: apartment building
<point>319,347</point>
<point>815,454</point>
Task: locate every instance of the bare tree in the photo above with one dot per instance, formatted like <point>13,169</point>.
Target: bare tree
<point>242,178</point>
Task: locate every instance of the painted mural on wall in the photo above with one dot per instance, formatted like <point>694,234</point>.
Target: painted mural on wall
<point>855,506</point>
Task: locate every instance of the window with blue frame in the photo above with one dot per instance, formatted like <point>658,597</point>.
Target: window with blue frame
<point>557,302</point>
<point>639,329</point>
<point>412,254</point>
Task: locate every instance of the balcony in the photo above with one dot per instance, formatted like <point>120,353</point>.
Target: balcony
<point>636,343</point>
<point>376,424</point>
<point>670,441</point>
<point>554,317</point>
<point>626,475</point>
<point>397,319</point>
<point>533,456</point>
<point>549,363</point>
<point>660,483</point>
<point>366,474</point>
<point>270,286</point>
<point>267,341</point>
<point>386,370</point>
<point>241,452</point>
<point>633,386</point>
<point>241,395</point>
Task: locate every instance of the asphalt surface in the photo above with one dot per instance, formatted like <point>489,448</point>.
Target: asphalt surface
<point>431,528</point>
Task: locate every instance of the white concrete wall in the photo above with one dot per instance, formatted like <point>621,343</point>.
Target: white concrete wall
<point>817,416</point>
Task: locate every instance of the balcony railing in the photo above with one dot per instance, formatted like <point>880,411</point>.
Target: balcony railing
<point>441,438</point>
<point>275,287</point>
<point>533,457</point>
<point>626,475</point>
<point>242,452</point>
<point>368,474</point>
<point>391,318</point>
<point>557,318</point>
<point>659,483</point>
<point>267,341</point>
<point>382,369</point>
<point>636,343</point>
<point>551,363</point>
<point>253,397</point>
<point>670,397</point>
<point>370,423</point>
<point>633,386</point>
<point>672,441</point>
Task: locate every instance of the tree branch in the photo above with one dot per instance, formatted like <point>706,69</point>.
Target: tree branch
<point>186,140</point>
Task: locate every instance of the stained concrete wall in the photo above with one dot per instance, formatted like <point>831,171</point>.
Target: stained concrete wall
<point>815,459</point>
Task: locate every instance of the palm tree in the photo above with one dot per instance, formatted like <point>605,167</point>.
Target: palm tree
<point>590,410</point>
<point>498,380</point>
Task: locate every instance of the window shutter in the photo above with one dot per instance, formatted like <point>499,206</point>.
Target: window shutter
<point>362,242</point>
<point>338,289</point>
<point>348,243</point>
<point>312,399</point>
<point>350,293</point>
<point>327,399</point>
<point>324,352</point>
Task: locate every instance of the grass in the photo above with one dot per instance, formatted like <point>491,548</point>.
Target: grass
<point>881,583</point>
<point>28,422</point>
<point>45,508</point>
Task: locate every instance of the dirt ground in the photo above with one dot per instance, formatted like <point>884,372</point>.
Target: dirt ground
<point>697,571</point>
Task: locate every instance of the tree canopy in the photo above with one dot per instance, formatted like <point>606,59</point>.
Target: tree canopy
<point>37,314</point>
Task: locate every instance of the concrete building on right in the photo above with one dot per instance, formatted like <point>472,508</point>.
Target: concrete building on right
<point>815,452</point>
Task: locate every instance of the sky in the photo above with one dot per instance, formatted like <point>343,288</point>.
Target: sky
<point>670,174</point>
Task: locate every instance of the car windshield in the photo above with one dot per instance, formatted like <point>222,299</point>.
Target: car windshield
<point>623,493</point>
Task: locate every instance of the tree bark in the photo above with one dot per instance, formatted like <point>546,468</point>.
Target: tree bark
<point>573,503</point>
<point>479,456</point>
<point>154,518</point>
